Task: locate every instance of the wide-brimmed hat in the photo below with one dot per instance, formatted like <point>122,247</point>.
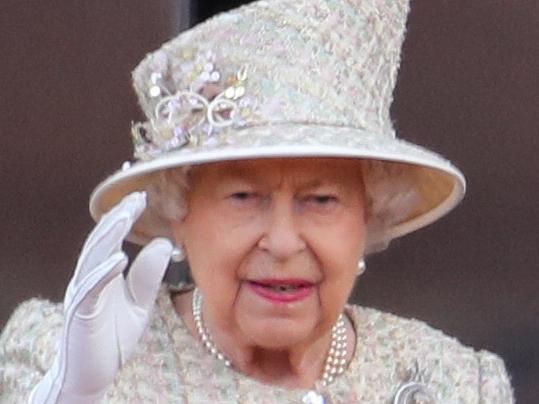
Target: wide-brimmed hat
<point>282,78</point>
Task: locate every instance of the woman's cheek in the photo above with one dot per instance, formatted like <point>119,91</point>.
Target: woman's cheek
<point>339,275</point>
<point>330,304</point>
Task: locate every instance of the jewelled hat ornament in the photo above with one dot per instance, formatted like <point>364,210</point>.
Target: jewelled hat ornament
<point>284,78</point>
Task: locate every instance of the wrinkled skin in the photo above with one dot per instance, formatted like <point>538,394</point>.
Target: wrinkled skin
<point>278,219</point>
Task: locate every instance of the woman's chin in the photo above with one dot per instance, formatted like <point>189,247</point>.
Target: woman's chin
<point>276,325</point>
<point>278,333</point>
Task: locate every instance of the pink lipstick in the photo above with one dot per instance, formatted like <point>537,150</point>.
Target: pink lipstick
<point>282,290</point>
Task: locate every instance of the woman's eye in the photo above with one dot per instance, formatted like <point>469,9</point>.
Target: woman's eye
<point>323,199</point>
<point>323,203</point>
<point>242,196</point>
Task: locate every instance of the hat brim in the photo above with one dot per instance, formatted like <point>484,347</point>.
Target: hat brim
<point>440,184</point>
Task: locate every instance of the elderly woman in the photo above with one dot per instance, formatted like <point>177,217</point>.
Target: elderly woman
<point>269,163</point>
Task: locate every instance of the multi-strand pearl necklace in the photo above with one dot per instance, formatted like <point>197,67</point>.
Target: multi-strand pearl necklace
<point>335,361</point>
<point>201,329</point>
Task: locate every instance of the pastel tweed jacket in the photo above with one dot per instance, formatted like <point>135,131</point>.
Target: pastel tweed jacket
<point>171,366</point>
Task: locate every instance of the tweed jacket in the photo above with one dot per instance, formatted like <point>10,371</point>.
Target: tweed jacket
<point>170,366</point>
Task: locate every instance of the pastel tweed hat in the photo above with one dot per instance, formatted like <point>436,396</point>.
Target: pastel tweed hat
<point>284,78</point>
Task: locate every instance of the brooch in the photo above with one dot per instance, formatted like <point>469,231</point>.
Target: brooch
<point>415,389</point>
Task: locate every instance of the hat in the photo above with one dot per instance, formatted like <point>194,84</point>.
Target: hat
<point>284,78</point>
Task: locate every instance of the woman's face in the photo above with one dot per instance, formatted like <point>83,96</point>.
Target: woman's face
<point>274,245</point>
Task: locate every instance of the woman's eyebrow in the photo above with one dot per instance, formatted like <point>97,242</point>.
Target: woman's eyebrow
<point>319,183</point>
<point>245,176</point>
<point>315,183</point>
<point>239,175</point>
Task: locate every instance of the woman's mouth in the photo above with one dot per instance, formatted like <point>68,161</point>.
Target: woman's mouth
<point>282,290</point>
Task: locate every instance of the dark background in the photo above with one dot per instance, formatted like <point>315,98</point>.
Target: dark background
<point>468,88</point>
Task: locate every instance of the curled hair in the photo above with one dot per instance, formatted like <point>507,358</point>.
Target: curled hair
<point>391,197</point>
<point>167,192</point>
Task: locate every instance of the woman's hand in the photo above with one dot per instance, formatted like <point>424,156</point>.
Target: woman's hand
<point>105,313</point>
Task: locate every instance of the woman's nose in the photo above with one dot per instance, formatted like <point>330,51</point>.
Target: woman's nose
<point>282,238</point>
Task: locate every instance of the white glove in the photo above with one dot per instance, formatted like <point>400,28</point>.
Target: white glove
<point>105,313</point>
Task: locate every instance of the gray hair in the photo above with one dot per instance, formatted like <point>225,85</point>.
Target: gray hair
<point>390,194</point>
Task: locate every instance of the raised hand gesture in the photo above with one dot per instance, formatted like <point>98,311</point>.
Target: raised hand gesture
<point>105,312</point>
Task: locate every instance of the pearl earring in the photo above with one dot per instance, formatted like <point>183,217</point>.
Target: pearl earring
<point>361,266</point>
<point>178,254</point>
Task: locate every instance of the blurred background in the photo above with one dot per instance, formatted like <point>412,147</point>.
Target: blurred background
<point>468,88</point>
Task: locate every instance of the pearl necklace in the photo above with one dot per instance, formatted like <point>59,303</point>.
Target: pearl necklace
<point>335,360</point>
